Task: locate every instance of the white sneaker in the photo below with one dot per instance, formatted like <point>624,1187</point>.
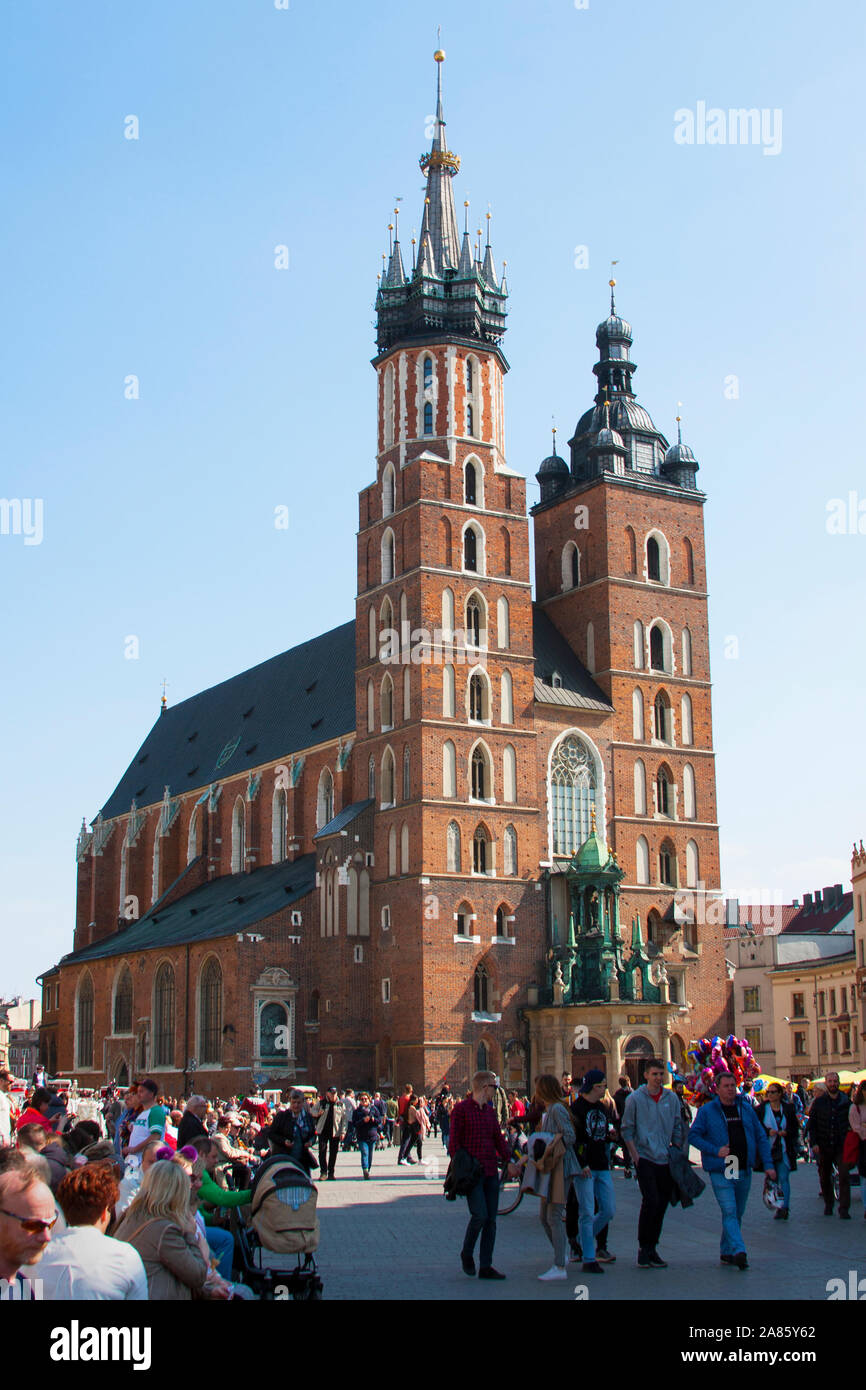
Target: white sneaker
<point>555,1272</point>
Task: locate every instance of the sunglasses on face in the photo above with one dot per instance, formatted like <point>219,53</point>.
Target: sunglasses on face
<point>32,1226</point>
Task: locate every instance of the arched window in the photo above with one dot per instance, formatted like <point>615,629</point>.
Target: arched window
<point>642,860</point>
<point>573,786</point>
<point>428,417</point>
<point>509,774</point>
<point>388,405</point>
<point>631,544</point>
<point>371,707</point>
<point>279,826</point>
<point>373,647</point>
<point>387,556</point>
<point>193,849</point>
<point>662,718</point>
<point>469,376</point>
<point>447,614</point>
<point>445,533</point>
<point>392,852</point>
<point>689,798</point>
<point>388,792</point>
<point>570,566</point>
<point>452,861</point>
<point>687,652</point>
<point>639,650</point>
<point>501,927</point>
<point>154,889</point>
<point>509,853</point>
<point>590,647</point>
<point>371,778</point>
<point>449,769</point>
<point>404,849</point>
<point>667,865</point>
<point>313,1010</point>
<point>479,700</point>
<point>84,1031</point>
<point>507,698</point>
<point>657,648</point>
<point>692,865</point>
<point>239,837</point>
<point>637,715</point>
<point>470,421</point>
<point>448,693</point>
<point>210,1016</point>
<point>163,1016</point>
<point>481,990</point>
<point>482,1057</point>
<point>481,852</point>
<point>653,567</point>
<point>325,799</point>
<point>123,1001</point>
<point>689,562</point>
<point>639,788</point>
<point>469,479</point>
<point>407,774</point>
<point>352,902</point>
<point>388,490</point>
<point>664,793</point>
<point>686,732</point>
<point>481,779</point>
<point>503,635</point>
<point>273,1016</point>
<point>470,550</point>
<point>465,917</point>
<point>476,634</point>
<point>386,702</point>
<point>428,371</point>
<point>505,538</point>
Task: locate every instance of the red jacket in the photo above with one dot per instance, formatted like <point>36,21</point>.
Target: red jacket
<point>32,1117</point>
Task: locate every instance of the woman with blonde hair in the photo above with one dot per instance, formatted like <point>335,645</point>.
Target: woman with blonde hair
<point>159,1224</point>
<point>560,1162</point>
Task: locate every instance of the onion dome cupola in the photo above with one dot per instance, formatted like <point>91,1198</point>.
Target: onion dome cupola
<point>680,464</point>
<point>553,475</point>
<point>608,454</point>
<point>452,289</point>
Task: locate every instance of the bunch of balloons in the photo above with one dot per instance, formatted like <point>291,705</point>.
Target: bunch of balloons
<point>712,1056</point>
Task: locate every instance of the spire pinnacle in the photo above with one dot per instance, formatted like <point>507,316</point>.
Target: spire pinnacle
<point>679,423</point>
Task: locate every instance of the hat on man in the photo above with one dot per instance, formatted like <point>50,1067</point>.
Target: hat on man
<point>591,1078</point>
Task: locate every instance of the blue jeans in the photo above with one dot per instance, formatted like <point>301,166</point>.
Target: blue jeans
<point>732,1194</point>
<point>366,1148</point>
<point>222,1245</point>
<point>483,1203</point>
<point>596,1189</point>
<point>783,1176</point>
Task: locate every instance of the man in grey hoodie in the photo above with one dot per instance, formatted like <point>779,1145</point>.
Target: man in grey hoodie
<point>652,1123</point>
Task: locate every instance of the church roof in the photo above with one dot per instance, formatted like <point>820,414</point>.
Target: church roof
<point>301,698</point>
<point>553,655</point>
<point>222,907</point>
<point>344,818</point>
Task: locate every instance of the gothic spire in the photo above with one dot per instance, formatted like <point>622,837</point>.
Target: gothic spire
<point>440,166</point>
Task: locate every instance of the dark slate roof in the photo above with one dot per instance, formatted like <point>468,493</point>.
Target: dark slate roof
<point>226,905</point>
<point>301,698</point>
<point>819,919</point>
<point>552,653</point>
<point>344,818</point>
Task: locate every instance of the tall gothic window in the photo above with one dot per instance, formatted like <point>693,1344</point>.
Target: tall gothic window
<point>428,418</point>
<point>509,853</point>
<point>473,621</point>
<point>480,776</point>
<point>470,550</point>
<point>279,826</point>
<point>325,799</point>
<point>428,371</point>
<point>371,778</point>
<point>123,1002</point>
<point>470,422</point>
<point>481,990</point>
<point>238,837</point>
<point>469,376</point>
<point>657,649</point>
<point>163,1017</point>
<point>469,474</point>
<point>210,1011</point>
<point>476,697</point>
<point>653,564</point>
<point>388,790</point>
<point>452,862</point>
<point>573,794</point>
<point>85,1022</point>
<point>480,851</point>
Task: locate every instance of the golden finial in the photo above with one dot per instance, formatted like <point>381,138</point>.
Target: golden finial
<point>592,818</point>
<point>439,55</point>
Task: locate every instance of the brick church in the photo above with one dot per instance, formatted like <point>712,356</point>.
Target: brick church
<point>467,827</point>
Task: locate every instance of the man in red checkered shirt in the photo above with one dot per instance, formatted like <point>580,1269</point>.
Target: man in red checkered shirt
<point>475,1128</point>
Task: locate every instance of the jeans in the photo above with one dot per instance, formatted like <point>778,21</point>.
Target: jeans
<point>407,1139</point>
<point>483,1203</point>
<point>366,1148</point>
<point>593,1192</point>
<point>783,1177</point>
<point>222,1246</point>
<point>554,1229</point>
<point>732,1194</point>
<point>656,1185</point>
<point>445,1128</point>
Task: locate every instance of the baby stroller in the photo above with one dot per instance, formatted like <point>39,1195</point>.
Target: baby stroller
<point>282,1218</point>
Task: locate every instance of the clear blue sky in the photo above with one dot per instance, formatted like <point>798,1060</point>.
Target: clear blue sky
<point>261,127</point>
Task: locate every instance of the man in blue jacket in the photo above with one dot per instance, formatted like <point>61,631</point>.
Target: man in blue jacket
<point>730,1137</point>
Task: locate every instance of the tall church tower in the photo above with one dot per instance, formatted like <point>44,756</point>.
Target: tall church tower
<point>620,571</point>
<point>444,671</point>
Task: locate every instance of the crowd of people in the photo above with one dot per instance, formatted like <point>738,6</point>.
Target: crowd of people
<point>129,1196</point>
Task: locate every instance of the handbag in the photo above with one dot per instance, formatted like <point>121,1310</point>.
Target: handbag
<point>851,1149</point>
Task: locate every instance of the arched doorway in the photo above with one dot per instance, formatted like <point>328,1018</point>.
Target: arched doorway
<point>120,1072</point>
<point>678,1054</point>
<point>593,1055</point>
<point>636,1053</point>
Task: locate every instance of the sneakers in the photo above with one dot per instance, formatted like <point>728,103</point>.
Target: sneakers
<point>490,1273</point>
<point>366,1172</point>
<point>604,1257</point>
<point>650,1259</point>
<point>592,1267</point>
<point>555,1272</point>
<point>468,1264</point>
<point>402,1163</point>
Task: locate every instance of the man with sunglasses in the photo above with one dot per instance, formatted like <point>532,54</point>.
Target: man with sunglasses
<point>475,1128</point>
<point>27,1217</point>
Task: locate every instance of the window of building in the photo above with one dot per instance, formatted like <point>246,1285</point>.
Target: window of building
<point>570,566</point>
<point>123,1002</point>
<point>822,999</point>
<point>835,1040</point>
<point>798,1006</point>
<point>500,922</point>
<point>163,1016</point>
<point>464,920</point>
<point>481,780</point>
<point>480,852</point>
<point>509,774</point>
<point>573,787</point>
<point>753,1038</point>
<point>476,698</point>
<point>510,851</point>
<point>404,849</point>
<point>823,1041</point>
<point>843,1004</point>
<point>667,865</point>
<point>387,557</point>
<point>639,788</point>
<point>657,648</point>
<point>452,862</point>
<point>428,371</point>
<point>239,837</point>
<point>279,826</point>
<point>503,636</point>
<point>639,655</point>
<point>662,716</point>
<point>506,689</point>
<point>386,991</point>
<point>210,1012</point>
<point>800,1044</point>
<point>470,421</point>
<point>664,793</point>
<point>653,565</point>
<point>752,999</point>
<point>449,769</point>
<point>371,778</point>
<point>481,990</point>
<point>642,860</point>
<point>686,721</point>
<point>386,703</point>
<point>470,550</point>
<point>637,715</point>
<point>386,919</point>
<point>832,1002</point>
<point>469,493</point>
<point>388,490</point>
<point>325,799</point>
<point>687,652</point>
<point>388,779</point>
<point>689,803</point>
